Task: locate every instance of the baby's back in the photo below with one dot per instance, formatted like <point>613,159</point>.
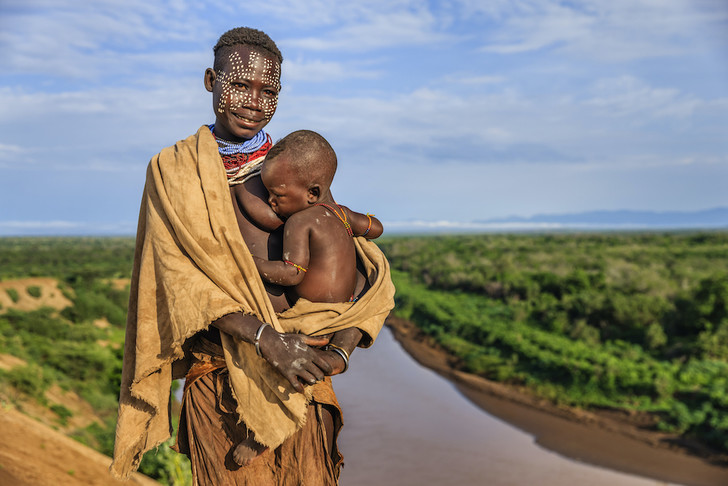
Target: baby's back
<point>331,273</point>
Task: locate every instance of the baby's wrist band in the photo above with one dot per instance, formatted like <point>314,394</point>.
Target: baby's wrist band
<point>369,216</point>
<point>298,268</point>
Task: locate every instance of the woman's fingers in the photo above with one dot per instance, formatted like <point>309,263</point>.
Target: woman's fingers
<point>315,341</point>
<point>295,383</point>
<point>323,363</point>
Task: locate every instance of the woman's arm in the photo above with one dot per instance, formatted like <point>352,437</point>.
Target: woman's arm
<point>294,356</point>
<point>348,340</point>
<point>252,198</point>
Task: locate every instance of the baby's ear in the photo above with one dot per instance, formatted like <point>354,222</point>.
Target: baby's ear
<point>314,193</point>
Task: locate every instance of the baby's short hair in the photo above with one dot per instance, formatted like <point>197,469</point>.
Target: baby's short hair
<point>245,36</point>
<point>311,156</point>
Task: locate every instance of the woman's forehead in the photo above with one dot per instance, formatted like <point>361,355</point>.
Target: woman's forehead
<point>250,60</point>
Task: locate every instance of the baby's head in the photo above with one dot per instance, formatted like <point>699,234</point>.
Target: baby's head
<point>245,82</point>
<point>298,172</point>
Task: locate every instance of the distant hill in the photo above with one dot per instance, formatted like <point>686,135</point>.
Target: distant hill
<point>716,218</point>
<point>708,218</point>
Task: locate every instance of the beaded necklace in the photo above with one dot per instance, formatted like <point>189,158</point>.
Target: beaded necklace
<point>341,217</point>
<point>247,147</point>
<point>235,155</point>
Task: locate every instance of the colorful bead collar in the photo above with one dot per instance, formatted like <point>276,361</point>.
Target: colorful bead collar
<point>247,147</point>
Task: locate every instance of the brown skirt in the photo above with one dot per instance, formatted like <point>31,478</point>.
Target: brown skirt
<point>209,430</point>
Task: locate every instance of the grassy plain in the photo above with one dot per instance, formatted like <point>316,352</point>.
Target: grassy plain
<point>635,322</point>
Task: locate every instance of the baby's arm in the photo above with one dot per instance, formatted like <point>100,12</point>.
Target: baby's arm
<point>252,198</point>
<point>296,256</point>
<point>365,225</point>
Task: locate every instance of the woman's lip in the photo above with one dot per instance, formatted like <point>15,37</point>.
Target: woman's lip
<point>245,119</point>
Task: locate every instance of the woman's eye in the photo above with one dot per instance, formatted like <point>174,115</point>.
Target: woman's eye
<point>270,93</point>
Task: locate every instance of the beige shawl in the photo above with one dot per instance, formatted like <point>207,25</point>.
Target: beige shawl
<point>191,267</point>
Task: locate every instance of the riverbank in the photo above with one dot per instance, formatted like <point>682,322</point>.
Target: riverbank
<point>604,438</point>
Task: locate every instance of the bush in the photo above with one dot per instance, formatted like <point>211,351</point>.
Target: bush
<point>167,466</point>
<point>34,291</point>
<point>63,413</point>
<point>13,294</point>
<point>30,379</point>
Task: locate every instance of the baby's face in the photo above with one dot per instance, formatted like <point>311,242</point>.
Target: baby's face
<point>287,194</point>
<point>245,93</point>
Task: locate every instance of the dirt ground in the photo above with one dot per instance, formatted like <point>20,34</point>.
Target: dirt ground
<point>33,454</point>
<point>50,295</point>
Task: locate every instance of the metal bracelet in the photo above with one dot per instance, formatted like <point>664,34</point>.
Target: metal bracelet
<point>259,333</point>
<point>341,352</point>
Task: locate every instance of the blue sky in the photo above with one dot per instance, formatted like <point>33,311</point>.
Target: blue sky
<point>454,111</point>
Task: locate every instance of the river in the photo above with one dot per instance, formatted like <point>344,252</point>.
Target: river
<point>406,425</point>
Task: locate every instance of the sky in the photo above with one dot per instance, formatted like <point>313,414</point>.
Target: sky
<point>441,112</point>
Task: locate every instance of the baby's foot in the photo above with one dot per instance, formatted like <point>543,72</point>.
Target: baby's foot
<point>246,452</point>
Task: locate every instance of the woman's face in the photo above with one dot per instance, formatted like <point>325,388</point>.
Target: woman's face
<point>244,92</point>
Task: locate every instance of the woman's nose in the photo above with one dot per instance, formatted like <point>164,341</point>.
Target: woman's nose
<point>252,101</point>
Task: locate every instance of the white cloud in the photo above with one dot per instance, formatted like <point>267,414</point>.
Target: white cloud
<point>9,150</point>
<point>627,96</point>
<point>324,71</point>
<point>612,122</point>
<point>65,227</point>
<point>399,29</point>
<point>60,39</point>
<point>618,30</point>
<point>25,225</point>
<point>479,80</point>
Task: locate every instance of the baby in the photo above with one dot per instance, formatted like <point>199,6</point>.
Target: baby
<point>319,258</point>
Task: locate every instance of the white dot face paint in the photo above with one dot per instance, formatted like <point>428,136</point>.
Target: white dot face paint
<point>245,93</point>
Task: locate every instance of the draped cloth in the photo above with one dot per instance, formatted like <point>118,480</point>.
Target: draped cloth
<point>191,267</point>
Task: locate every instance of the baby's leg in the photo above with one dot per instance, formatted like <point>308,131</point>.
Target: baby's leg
<point>247,450</point>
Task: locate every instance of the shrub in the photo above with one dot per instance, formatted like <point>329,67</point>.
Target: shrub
<point>29,379</point>
<point>63,413</point>
<point>34,291</point>
<point>13,294</point>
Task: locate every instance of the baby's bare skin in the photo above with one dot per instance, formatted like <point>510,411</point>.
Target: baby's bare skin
<point>311,362</point>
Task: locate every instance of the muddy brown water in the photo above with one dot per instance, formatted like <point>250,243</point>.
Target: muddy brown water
<point>406,425</point>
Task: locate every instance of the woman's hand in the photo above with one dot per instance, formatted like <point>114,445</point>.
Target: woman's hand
<point>296,357</point>
<point>335,361</point>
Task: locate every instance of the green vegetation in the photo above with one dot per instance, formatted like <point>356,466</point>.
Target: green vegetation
<point>634,322</point>
<point>66,347</point>
<point>622,321</point>
<point>13,294</point>
<point>66,258</point>
<point>33,291</point>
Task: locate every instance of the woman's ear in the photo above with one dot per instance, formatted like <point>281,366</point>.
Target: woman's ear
<point>314,194</point>
<point>210,77</point>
